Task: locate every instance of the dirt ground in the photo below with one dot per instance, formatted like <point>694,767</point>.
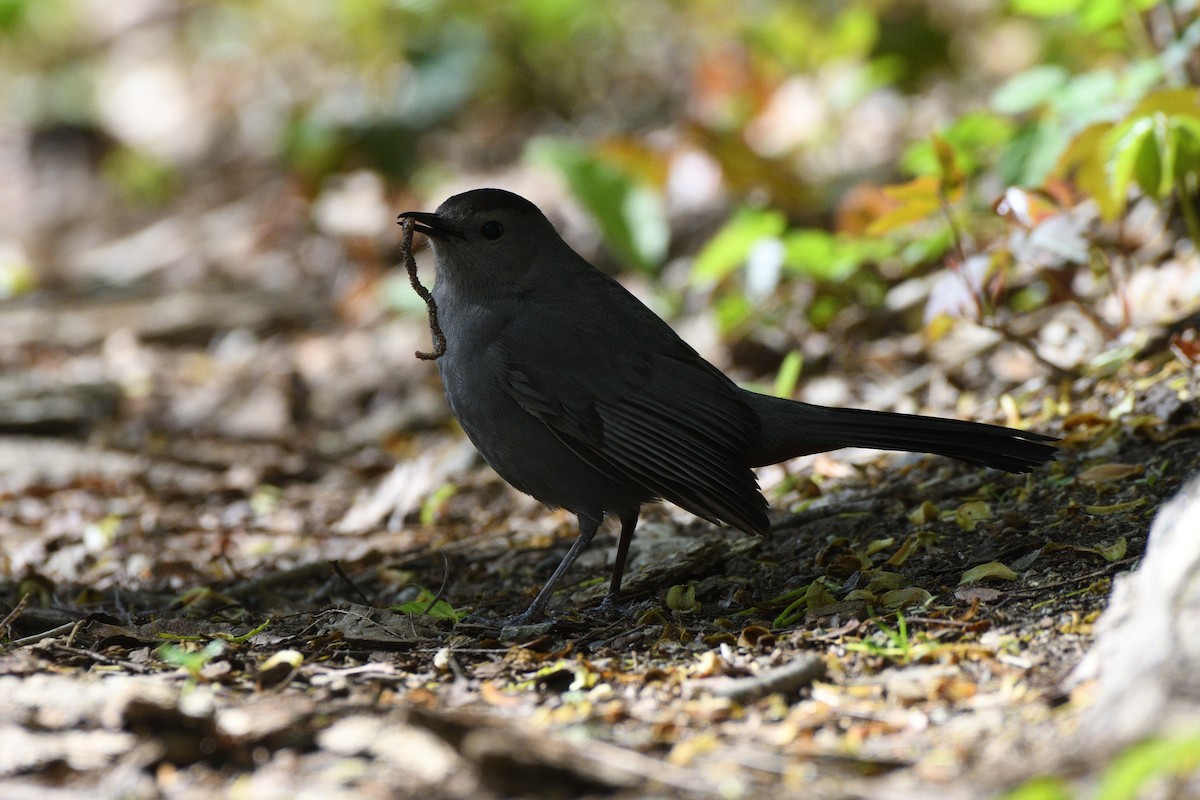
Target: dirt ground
<point>234,536</point>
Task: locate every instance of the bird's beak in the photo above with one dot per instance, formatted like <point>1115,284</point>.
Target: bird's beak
<point>431,225</point>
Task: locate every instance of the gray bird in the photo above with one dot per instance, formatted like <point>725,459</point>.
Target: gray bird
<point>579,395</point>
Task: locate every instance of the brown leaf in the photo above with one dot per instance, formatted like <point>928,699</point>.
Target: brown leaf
<point>1108,473</point>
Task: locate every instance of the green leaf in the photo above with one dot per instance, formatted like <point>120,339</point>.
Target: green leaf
<point>818,595</point>
<point>1090,15</point>
<point>949,173</point>
<point>815,595</point>
<point>732,310</point>
<point>914,201</point>
<point>976,138</point>
<point>1148,164</point>
<point>905,598</point>
<point>823,309</point>
<point>789,374</point>
<point>1029,89</point>
<point>1187,148</point>
<point>1086,156</point>
<point>439,610</point>
<point>1098,14</point>
<point>13,14</point>
<point>971,513</point>
<point>829,257</point>
<point>1174,102</point>
<point>192,661</point>
<point>1115,551</point>
<point>1124,153</point>
<point>1045,8</point>
<point>728,250</point>
<point>423,605</point>
<point>682,597</point>
<point>630,215</point>
<point>1043,787</point>
<point>435,502</point>
<point>1033,152</point>
<point>1092,96</point>
<point>1129,773</point>
<point>810,251</point>
<point>992,569</point>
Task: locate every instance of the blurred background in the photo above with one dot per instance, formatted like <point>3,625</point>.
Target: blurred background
<point>974,208</point>
<point>895,203</point>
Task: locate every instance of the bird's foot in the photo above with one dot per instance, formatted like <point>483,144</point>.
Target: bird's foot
<point>517,626</point>
<point>614,608</point>
<point>525,625</point>
<point>609,608</point>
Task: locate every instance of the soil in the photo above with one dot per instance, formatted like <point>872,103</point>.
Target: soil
<point>238,573</point>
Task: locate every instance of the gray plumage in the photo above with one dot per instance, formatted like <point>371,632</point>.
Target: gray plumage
<point>579,395</point>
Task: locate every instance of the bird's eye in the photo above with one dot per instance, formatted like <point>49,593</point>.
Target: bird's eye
<point>492,230</point>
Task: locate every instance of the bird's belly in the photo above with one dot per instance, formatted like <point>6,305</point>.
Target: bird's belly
<point>526,453</point>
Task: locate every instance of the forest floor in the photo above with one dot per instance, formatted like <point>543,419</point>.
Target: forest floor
<point>217,558</point>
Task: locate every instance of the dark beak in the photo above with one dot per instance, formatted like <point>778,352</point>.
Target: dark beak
<point>431,225</point>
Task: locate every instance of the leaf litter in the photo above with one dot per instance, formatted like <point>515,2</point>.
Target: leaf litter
<point>184,615</point>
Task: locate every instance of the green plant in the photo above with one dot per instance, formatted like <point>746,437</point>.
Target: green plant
<point>426,603</point>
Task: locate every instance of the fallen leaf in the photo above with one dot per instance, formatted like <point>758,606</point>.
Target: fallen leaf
<point>1108,473</point>
<point>971,513</point>
<point>992,569</point>
<point>903,598</point>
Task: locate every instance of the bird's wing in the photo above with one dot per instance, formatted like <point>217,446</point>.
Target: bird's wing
<point>656,414</point>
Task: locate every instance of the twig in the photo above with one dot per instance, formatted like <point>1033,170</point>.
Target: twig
<point>442,588</point>
<point>959,263</point>
<point>786,679</point>
<point>294,575</point>
<point>337,567</point>
<point>11,616</point>
<point>99,658</point>
<point>1035,591</point>
<point>40,637</point>
<point>1025,341</point>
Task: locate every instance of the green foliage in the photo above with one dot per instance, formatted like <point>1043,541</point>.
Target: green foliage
<point>1056,106</point>
<point>37,28</point>
<point>830,257</point>
<point>1155,758</point>
<point>436,502</point>
<point>799,36</point>
<point>805,109</point>
<point>143,179</point>
<point>728,250</point>
<point>800,602</point>
<point>13,13</point>
<point>1128,776</point>
<point>1108,131</point>
<point>788,376</point>
<point>1156,146</point>
<point>629,213</point>
<point>191,661</point>
<point>247,636</point>
<point>16,274</point>
<point>977,139</point>
<point>1090,15</point>
<point>1042,787</point>
<point>810,253</point>
<point>427,604</point>
<point>897,645</point>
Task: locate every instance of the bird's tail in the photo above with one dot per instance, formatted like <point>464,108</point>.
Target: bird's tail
<point>791,429</point>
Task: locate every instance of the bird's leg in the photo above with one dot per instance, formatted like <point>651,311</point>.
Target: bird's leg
<point>629,521</point>
<point>588,526</point>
